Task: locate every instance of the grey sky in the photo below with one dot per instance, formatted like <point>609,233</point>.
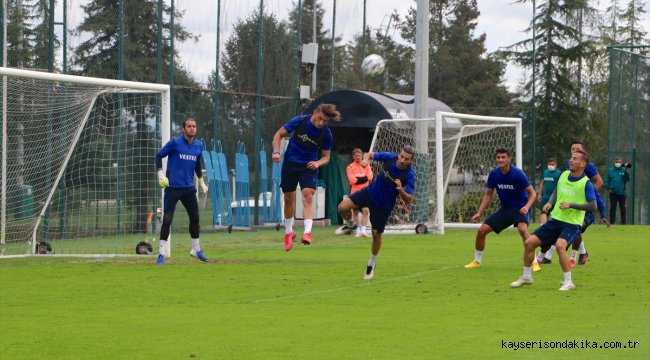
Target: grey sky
<point>503,21</point>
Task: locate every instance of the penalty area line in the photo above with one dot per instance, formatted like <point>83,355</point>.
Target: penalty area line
<point>362,283</point>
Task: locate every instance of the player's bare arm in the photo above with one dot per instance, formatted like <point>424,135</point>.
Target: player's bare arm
<point>324,160</point>
<point>551,201</point>
<point>605,221</point>
<point>367,157</point>
<point>598,181</point>
<point>531,200</point>
<point>277,139</point>
<point>406,197</point>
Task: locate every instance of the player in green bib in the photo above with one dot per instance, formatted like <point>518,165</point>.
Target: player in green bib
<point>574,195</point>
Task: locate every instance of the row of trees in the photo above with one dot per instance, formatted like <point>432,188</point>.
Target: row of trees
<point>568,53</point>
<point>570,63</point>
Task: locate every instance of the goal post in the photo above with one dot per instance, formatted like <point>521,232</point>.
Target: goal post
<point>78,162</point>
<point>454,154</point>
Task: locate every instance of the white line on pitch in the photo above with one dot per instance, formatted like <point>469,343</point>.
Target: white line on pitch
<point>343,288</point>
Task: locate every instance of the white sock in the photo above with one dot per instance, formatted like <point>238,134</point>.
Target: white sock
<point>567,277</point>
<point>162,247</point>
<point>582,249</point>
<point>349,223</point>
<point>288,226</point>
<point>372,260</point>
<point>573,254</point>
<point>528,272</point>
<point>195,245</point>
<point>308,223</point>
<point>362,230</point>
<point>478,255</point>
<point>549,253</point>
<point>540,256</point>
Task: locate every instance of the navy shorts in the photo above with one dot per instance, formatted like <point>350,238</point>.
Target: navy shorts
<point>378,216</point>
<point>187,196</point>
<point>555,229</point>
<point>294,174</point>
<point>505,217</point>
<point>589,219</point>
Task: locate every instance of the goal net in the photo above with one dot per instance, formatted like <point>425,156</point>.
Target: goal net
<point>78,163</point>
<point>455,153</point>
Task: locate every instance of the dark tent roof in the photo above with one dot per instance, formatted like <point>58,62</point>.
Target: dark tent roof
<point>364,109</point>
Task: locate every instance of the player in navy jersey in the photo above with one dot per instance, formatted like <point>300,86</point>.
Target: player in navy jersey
<point>516,195</point>
<point>183,162</point>
<point>309,148</point>
<point>396,178</point>
<point>591,170</point>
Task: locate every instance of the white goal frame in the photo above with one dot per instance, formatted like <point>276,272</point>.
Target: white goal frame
<point>133,87</point>
<point>441,186</point>
<point>441,175</point>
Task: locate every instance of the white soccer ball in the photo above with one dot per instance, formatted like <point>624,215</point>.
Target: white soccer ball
<point>373,65</point>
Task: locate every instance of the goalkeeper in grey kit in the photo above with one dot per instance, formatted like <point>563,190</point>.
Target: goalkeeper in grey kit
<point>183,161</point>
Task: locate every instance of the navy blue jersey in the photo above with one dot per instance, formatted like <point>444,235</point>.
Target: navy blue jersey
<point>511,186</point>
<point>308,140</point>
<point>382,190</point>
<point>183,161</point>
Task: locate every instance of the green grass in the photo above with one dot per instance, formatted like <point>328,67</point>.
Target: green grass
<point>254,301</point>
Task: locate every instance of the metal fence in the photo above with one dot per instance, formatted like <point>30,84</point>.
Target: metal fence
<point>629,125</point>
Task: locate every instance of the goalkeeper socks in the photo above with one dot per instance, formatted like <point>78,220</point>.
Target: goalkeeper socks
<point>308,223</point>
<point>582,249</point>
<point>478,255</point>
<point>549,253</point>
<point>372,260</point>
<point>195,245</point>
<point>288,226</point>
<point>162,247</point>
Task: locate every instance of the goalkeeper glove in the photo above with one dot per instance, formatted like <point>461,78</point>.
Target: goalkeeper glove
<point>203,185</point>
<point>162,179</point>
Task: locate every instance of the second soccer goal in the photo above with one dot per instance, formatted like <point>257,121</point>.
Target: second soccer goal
<point>455,153</point>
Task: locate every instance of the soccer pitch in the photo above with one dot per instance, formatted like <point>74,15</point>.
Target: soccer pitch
<point>254,301</point>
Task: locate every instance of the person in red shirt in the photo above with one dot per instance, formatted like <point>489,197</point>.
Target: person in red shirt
<point>359,176</point>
